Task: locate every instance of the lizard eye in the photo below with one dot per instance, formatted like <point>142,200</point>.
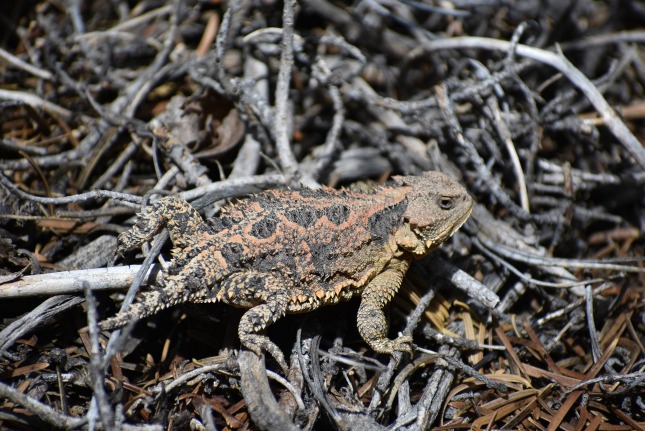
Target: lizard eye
<point>446,203</point>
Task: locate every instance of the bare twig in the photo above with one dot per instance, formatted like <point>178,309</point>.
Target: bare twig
<point>258,182</point>
<point>164,387</point>
<point>17,62</point>
<point>282,111</point>
<point>606,264</point>
<point>67,282</point>
<point>97,375</point>
<point>36,102</point>
<point>634,36</point>
<point>95,194</point>
<point>463,281</point>
<point>46,413</point>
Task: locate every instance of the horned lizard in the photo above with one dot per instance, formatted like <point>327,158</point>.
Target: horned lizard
<point>293,251</point>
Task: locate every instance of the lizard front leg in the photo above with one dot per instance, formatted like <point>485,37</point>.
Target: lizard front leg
<point>371,321</point>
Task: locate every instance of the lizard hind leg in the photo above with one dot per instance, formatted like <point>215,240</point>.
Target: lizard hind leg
<point>247,289</point>
<point>182,220</point>
<point>149,304</point>
<point>167,293</point>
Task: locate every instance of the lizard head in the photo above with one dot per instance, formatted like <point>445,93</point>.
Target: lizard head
<point>437,206</point>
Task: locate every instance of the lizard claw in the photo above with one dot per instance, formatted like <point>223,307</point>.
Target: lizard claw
<point>402,343</point>
<point>258,343</point>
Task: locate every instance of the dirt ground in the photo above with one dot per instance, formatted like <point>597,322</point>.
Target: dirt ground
<point>531,317</point>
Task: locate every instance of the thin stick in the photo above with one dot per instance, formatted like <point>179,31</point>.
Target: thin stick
<point>71,282</point>
<point>82,197</point>
<point>17,62</point>
<point>282,117</point>
<point>36,102</point>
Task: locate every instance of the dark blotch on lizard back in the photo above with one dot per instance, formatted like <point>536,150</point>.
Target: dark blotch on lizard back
<point>264,228</point>
<point>305,217</point>
<point>223,222</point>
<point>282,260</point>
<point>323,256</point>
<point>338,213</point>
<point>232,253</point>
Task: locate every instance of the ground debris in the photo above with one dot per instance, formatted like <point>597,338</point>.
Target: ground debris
<point>530,317</point>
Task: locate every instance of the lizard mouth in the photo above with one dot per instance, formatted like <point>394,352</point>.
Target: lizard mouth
<point>462,220</point>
